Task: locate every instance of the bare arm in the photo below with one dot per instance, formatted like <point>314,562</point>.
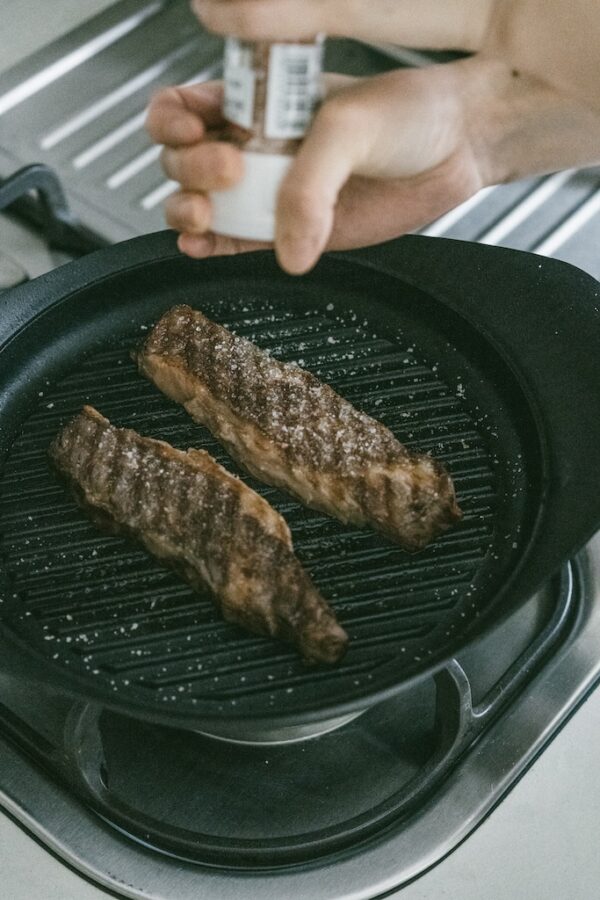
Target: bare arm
<point>389,154</point>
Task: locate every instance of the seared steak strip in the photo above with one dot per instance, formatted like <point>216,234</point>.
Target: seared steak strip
<point>290,430</point>
<point>204,522</point>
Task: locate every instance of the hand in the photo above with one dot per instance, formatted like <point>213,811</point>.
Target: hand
<point>387,155</point>
<point>445,24</point>
<point>319,204</point>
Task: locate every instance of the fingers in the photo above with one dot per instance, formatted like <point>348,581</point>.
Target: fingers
<point>433,24</point>
<point>370,210</point>
<point>263,19</point>
<point>179,118</point>
<point>181,115</point>
<point>188,212</point>
<point>307,199</point>
<point>203,246</point>
<point>210,166</point>
<point>205,167</point>
<point>389,129</point>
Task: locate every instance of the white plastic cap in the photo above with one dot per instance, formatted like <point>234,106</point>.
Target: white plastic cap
<point>248,209</point>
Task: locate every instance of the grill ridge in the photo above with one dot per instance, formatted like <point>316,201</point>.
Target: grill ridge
<point>102,605</point>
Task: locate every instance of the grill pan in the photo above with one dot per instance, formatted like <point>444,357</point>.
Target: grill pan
<point>486,357</point>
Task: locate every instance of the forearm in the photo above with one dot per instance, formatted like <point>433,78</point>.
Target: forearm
<point>556,40</point>
<point>519,125</point>
<point>435,24</point>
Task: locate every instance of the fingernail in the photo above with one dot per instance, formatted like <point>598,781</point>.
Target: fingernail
<point>296,254</point>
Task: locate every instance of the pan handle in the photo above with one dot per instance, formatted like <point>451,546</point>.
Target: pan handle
<point>51,211</point>
<point>543,317</point>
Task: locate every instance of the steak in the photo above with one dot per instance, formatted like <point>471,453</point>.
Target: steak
<point>204,522</point>
<point>290,430</point>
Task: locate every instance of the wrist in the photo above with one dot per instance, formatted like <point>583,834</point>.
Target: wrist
<point>519,125</point>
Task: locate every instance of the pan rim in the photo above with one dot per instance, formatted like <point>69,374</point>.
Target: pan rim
<point>186,714</point>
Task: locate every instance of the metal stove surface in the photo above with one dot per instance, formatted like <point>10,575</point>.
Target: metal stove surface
<point>558,215</point>
<point>477,782</point>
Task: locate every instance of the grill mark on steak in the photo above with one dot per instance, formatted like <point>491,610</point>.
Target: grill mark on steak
<point>204,522</point>
<point>290,430</point>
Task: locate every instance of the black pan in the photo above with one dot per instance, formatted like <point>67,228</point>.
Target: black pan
<point>486,357</point>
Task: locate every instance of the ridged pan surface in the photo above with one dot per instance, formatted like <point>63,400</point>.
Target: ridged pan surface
<point>128,629</point>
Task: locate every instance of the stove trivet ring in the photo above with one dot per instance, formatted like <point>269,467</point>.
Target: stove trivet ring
<point>252,735</point>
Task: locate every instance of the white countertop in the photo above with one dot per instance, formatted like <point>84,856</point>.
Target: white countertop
<point>539,844</point>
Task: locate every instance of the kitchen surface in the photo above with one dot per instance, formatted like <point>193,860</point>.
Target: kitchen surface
<point>537,845</point>
<point>537,842</point>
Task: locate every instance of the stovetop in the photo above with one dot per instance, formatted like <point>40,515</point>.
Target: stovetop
<point>436,760</point>
<point>422,770</point>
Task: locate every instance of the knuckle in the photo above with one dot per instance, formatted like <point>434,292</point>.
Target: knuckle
<point>208,16</point>
<point>340,113</point>
<point>169,160</point>
<point>156,100</point>
<point>204,166</point>
<point>201,167</point>
<point>188,165</point>
<point>164,96</point>
<point>186,212</point>
<point>154,117</point>
<point>195,214</point>
<point>172,214</point>
<point>223,164</point>
<point>166,119</point>
<point>162,99</point>
<point>222,161</point>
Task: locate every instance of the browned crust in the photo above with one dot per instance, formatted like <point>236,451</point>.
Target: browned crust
<point>291,430</point>
<point>204,522</point>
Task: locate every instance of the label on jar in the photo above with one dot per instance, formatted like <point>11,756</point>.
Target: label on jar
<point>293,89</point>
<point>240,83</point>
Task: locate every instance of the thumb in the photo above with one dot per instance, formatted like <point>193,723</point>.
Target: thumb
<point>309,192</point>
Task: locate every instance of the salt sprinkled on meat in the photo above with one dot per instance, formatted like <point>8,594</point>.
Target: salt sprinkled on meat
<point>296,432</point>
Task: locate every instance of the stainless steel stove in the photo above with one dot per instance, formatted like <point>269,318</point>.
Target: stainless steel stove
<point>432,763</point>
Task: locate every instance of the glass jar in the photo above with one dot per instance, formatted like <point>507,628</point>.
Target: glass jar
<point>270,97</point>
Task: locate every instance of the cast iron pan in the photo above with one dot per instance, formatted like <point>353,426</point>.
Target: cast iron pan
<point>486,357</point>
